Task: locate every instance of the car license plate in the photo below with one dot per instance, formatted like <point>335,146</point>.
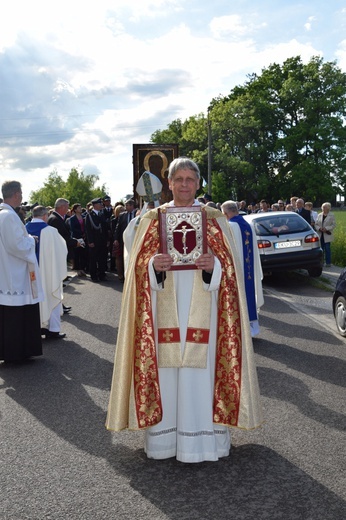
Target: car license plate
<point>285,245</point>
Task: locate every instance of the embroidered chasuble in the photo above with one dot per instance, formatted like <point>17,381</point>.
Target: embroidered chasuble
<point>150,336</point>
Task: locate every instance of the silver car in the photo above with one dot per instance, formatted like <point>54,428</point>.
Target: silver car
<point>286,242</point>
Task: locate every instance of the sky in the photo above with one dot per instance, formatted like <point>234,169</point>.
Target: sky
<point>81,82</point>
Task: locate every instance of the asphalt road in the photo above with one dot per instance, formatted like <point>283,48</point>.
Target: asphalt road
<point>59,462</point>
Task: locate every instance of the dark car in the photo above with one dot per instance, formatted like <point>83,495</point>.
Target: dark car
<point>286,242</point>
<point>339,303</point>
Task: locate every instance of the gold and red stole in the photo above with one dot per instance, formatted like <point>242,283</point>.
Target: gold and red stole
<point>227,384</point>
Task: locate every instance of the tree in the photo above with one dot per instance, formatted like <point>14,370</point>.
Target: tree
<point>280,134</point>
<point>288,125</point>
<point>191,137</point>
<point>52,189</point>
<point>81,188</point>
<point>77,188</point>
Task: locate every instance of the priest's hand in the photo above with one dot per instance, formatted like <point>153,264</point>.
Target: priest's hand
<point>206,262</point>
<point>162,262</point>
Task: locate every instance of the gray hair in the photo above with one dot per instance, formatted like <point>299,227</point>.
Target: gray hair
<point>61,202</point>
<point>39,211</point>
<point>10,188</point>
<point>326,205</point>
<point>229,206</point>
<point>183,163</point>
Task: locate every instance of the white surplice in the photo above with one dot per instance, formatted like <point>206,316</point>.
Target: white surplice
<point>187,431</point>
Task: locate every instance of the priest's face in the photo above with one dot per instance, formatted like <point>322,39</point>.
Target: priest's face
<point>184,185</point>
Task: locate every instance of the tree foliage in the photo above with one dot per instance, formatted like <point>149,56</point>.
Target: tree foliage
<point>78,187</point>
<point>280,134</point>
<point>192,137</point>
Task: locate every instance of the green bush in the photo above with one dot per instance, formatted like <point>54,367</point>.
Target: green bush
<point>338,246</point>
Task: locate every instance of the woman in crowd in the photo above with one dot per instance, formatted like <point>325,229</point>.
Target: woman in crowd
<point>324,225</point>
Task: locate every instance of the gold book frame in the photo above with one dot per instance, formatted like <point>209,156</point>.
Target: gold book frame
<point>183,234</point>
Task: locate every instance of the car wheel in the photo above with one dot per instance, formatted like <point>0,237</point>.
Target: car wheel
<point>315,272</point>
<point>340,315</point>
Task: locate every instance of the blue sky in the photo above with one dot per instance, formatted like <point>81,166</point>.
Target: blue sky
<point>80,84</point>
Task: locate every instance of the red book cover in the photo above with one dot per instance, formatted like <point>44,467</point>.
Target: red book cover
<point>183,234</point>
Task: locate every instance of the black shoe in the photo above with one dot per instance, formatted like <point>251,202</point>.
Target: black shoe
<point>96,280</point>
<point>54,335</point>
<point>66,309</point>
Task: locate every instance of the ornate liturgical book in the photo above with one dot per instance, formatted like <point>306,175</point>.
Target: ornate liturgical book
<point>183,234</point>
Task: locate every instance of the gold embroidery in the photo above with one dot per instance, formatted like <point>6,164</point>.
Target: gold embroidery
<point>147,390</point>
<point>228,349</point>
<point>198,335</point>
<point>167,335</point>
<point>228,353</point>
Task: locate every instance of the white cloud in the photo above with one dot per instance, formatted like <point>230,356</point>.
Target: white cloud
<point>341,55</point>
<point>308,24</point>
<point>81,82</point>
<point>232,26</point>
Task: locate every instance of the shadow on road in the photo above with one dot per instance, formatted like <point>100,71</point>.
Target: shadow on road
<point>54,390</point>
<point>253,483</point>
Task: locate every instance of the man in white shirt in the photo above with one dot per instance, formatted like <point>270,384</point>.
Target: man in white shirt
<point>20,283</point>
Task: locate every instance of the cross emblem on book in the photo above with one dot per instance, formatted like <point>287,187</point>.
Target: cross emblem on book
<point>184,230</point>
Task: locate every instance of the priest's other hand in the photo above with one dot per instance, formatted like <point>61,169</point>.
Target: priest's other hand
<point>206,262</point>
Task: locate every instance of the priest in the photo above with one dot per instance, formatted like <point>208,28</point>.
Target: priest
<point>246,243</point>
<point>20,283</point>
<point>184,364</point>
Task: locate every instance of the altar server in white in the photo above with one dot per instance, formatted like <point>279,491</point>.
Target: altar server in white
<point>51,252</point>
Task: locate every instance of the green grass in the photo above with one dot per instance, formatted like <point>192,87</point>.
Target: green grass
<point>338,246</point>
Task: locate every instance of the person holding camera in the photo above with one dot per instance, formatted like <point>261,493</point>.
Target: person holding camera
<point>325,225</point>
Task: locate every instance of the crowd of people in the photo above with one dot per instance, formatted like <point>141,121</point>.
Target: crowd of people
<point>38,244</point>
<point>184,366</point>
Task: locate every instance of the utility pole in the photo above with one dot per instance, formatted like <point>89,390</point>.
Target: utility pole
<point>209,155</point>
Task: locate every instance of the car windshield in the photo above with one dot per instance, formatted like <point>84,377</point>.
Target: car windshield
<point>280,225</point>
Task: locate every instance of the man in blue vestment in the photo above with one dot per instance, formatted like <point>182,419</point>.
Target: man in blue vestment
<point>246,244</point>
